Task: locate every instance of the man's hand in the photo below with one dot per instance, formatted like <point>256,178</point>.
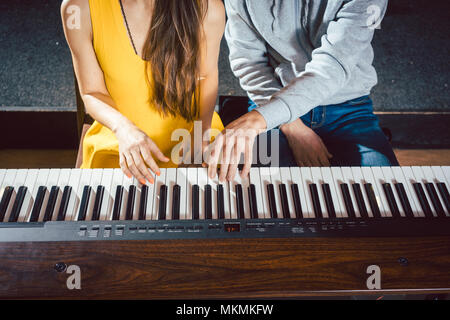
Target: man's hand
<point>236,139</point>
<point>307,147</point>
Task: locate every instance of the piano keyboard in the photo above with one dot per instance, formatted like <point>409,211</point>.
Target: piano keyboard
<point>103,204</point>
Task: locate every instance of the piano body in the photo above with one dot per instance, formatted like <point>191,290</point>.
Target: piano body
<point>282,233</point>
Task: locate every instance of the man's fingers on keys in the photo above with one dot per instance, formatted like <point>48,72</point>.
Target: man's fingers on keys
<point>248,158</point>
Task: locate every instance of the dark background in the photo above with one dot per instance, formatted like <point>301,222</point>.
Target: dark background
<point>411,57</point>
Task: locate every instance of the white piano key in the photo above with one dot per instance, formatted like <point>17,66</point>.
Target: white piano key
<point>370,178</point>
<point>28,201</point>
<point>390,178</point>
<point>2,175</point>
<point>296,177</point>
<point>202,181</point>
<point>107,203</point>
<point>307,179</point>
<point>159,181</point>
<point>19,181</point>
<point>328,175</point>
<point>446,170</point>
<point>213,183</point>
<point>192,179</point>
<point>137,199</point>
<point>422,179</point>
<point>275,177</point>
<point>347,176</point>
<point>126,183</point>
<point>62,178</point>
<point>171,181</point>
<point>265,181</point>
<point>8,181</point>
<point>117,181</point>
<point>41,180</point>
<point>359,178</point>
<point>52,181</point>
<point>226,199</point>
<point>182,182</point>
<point>318,180</point>
<point>85,180</point>
<point>400,177</point>
<point>379,181</point>
<point>255,179</point>
<point>245,186</point>
<point>96,180</point>
<point>439,174</point>
<point>286,179</point>
<point>434,178</point>
<point>74,181</point>
<point>409,180</point>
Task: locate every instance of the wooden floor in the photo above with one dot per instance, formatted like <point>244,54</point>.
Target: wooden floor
<point>29,158</point>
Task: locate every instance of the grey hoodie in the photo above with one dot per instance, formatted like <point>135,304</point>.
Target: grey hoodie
<point>294,55</point>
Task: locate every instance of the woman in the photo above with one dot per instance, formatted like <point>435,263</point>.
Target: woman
<point>145,68</point>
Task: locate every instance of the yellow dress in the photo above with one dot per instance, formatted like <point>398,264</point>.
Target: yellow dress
<point>125,79</point>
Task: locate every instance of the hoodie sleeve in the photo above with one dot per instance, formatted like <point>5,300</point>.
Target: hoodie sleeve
<point>331,65</point>
<point>249,60</point>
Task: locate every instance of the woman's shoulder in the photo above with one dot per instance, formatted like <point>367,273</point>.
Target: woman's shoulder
<point>67,4</point>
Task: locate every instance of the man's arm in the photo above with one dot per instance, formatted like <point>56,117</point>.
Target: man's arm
<point>248,54</point>
<point>331,65</point>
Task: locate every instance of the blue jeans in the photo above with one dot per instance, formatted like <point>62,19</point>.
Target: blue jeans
<point>349,130</point>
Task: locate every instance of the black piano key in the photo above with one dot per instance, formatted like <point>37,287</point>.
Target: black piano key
<point>404,200</point>
<point>360,200</point>
<point>329,200</point>
<point>423,200</point>
<point>130,203</point>
<point>435,200</point>
<point>444,194</point>
<point>240,201</point>
<point>272,201</point>
<point>98,203</point>
<point>64,203</point>
<point>253,202</point>
<point>143,202</point>
<point>54,191</point>
<point>208,202</point>
<point>162,203</point>
<point>118,203</point>
<point>297,202</point>
<point>37,207</point>
<point>84,204</point>
<point>315,200</point>
<point>17,206</point>
<point>348,201</point>
<point>6,198</point>
<point>220,202</point>
<point>195,202</point>
<point>284,201</point>
<point>372,200</point>
<point>391,200</point>
<point>176,202</point>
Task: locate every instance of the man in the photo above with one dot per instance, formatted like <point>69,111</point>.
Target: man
<point>307,67</point>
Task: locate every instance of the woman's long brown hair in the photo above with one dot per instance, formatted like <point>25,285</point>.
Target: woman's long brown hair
<point>173,52</point>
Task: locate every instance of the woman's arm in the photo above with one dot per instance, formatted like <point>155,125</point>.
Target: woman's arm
<point>213,29</point>
<point>133,143</point>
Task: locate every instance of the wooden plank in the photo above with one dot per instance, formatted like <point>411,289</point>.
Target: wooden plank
<point>232,268</point>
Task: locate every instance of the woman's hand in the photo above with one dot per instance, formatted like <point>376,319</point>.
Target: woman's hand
<point>137,152</point>
<point>307,147</point>
<point>236,139</point>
